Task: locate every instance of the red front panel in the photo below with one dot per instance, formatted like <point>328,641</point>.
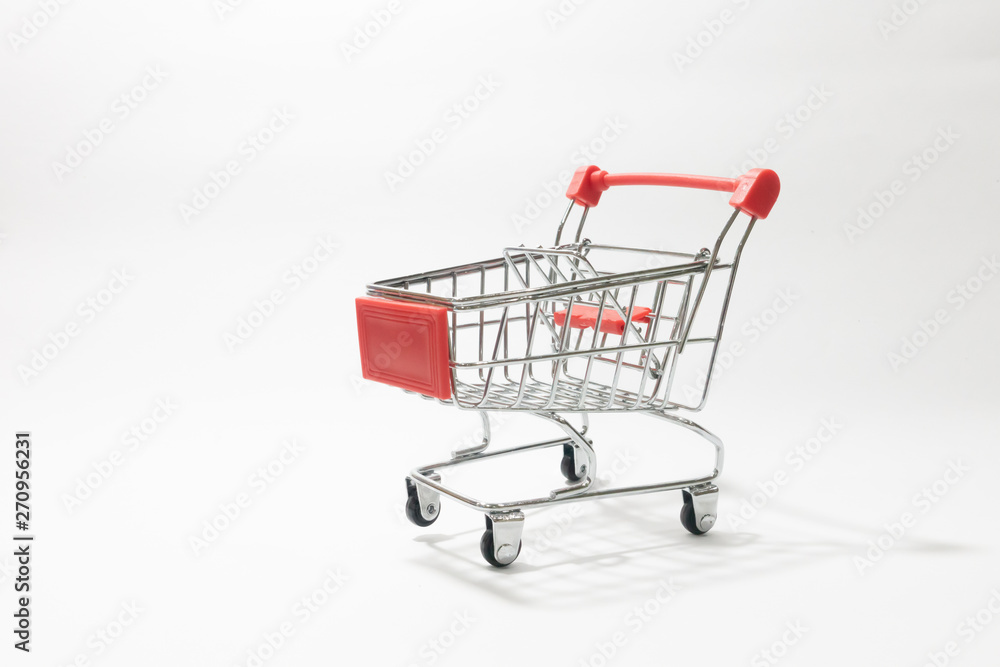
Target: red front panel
<point>405,345</point>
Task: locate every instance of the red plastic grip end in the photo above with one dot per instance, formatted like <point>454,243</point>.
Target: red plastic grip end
<point>756,191</point>
<point>405,345</point>
<point>587,185</point>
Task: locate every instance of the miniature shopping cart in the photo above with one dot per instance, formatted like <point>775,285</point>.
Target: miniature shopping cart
<point>575,328</point>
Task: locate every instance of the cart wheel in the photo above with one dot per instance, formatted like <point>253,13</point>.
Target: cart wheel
<point>414,515</point>
<point>486,548</point>
<point>688,518</point>
<point>568,465</point>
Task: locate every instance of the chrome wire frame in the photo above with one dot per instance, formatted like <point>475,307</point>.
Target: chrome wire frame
<point>508,353</point>
<point>429,476</point>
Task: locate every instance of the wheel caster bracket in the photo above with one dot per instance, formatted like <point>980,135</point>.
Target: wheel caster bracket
<point>704,500</point>
<point>505,530</point>
<point>575,463</point>
<point>428,500</point>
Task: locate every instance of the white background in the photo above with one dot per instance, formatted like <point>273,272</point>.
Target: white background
<point>336,506</point>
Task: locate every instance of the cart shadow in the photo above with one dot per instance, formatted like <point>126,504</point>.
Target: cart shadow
<point>625,550</point>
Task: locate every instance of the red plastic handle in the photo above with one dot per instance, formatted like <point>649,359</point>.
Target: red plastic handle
<point>754,192</point>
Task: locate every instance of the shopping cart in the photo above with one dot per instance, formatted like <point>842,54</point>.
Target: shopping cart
<point>556,331</point>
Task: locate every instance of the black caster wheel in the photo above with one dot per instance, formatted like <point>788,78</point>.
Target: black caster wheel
<point>413,512</point>
<point>567,467</point>
<point>688,519</point>
<point>486,547</point>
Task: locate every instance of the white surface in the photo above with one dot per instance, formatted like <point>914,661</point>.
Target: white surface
<point>336,506</point>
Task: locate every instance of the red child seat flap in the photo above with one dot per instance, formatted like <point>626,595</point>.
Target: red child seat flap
<point>585,317</point>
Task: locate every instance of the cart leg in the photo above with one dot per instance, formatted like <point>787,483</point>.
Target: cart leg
<point>701,508</point>
<point>481,447</point>
<point>501,543</point>
<point>423,504</point>
<point>579,459</point>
